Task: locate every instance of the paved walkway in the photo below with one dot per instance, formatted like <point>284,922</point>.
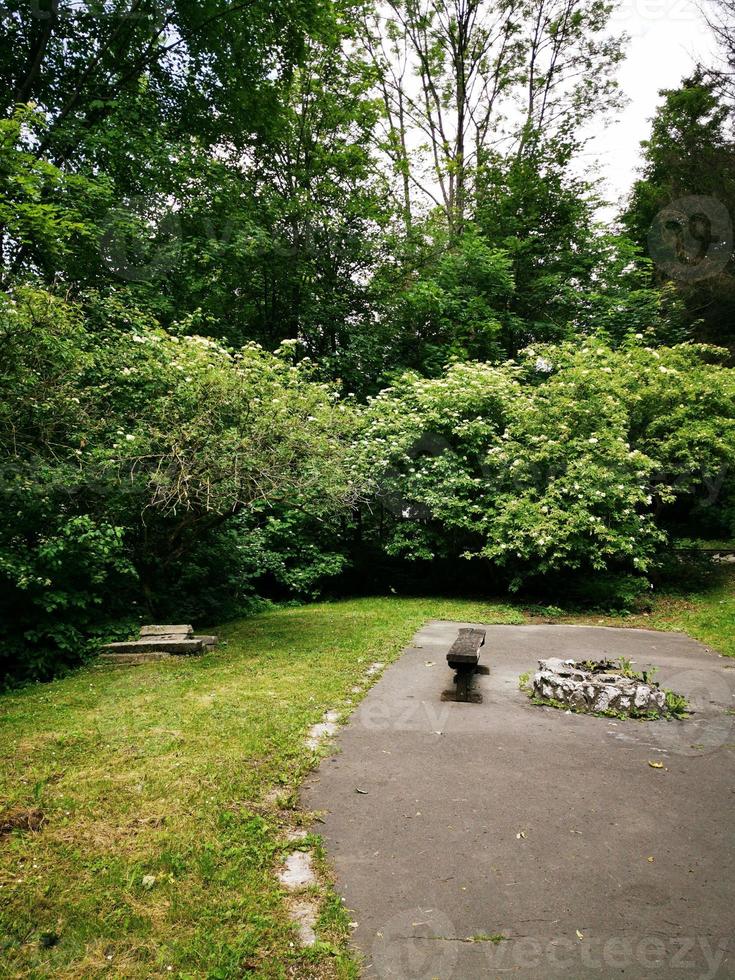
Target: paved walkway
<point>448,824</point>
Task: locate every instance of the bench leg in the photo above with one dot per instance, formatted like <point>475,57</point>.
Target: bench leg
<point>463,680</point>
<point>463,687</point>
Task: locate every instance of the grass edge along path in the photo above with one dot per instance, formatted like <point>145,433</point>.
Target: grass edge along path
<point>167,791</point>
<point>707,615</point>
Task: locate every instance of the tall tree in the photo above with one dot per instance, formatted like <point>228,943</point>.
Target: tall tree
<point>131,89</point>
<point>222,153</point>
<point>85,63</point>
<point>680,209</point>
<point>460,79</point>
<point>720,16</point>
<point>295,223</point>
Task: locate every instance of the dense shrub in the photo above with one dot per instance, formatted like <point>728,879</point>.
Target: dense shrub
<point>565,460</point>
<point>139,471</point>
<point>147,474</point>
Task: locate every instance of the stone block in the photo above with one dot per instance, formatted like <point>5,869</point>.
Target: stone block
<point>123,659</point>
<point>184,631</point>
<point>156,645</point>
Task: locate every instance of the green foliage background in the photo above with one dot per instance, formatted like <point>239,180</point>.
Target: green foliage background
<point>257,341</point>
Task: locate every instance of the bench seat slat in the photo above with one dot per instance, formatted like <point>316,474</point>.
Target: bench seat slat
<point>466,648</point>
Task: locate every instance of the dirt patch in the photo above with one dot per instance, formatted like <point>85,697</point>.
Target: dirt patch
<point>21,820</point>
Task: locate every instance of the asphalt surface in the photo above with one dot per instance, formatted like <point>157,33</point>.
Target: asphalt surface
<point>551,830</point>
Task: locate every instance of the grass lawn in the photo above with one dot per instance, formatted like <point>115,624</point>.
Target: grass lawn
<point>167,791</point>
<point>708,616</point>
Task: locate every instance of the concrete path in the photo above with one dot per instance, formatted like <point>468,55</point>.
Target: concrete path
<point>448,824</point>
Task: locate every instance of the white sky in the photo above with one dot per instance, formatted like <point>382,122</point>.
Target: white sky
<point>667,38</point>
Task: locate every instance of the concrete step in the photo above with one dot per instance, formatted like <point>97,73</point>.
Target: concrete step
<point>134,658</point>
<point>154,644</point>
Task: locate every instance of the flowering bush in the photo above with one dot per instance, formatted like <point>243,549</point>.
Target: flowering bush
<point>139,471</point>
<point>567,459</point>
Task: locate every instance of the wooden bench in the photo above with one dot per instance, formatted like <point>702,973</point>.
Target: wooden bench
<point>464,659</point>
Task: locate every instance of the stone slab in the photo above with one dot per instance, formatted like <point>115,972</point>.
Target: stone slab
<point>476,821</point>
<point>304,912</point>
<point>182,630</point>
<point>298,871</point>
<point>156,645</point>
<point>133,658</point>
